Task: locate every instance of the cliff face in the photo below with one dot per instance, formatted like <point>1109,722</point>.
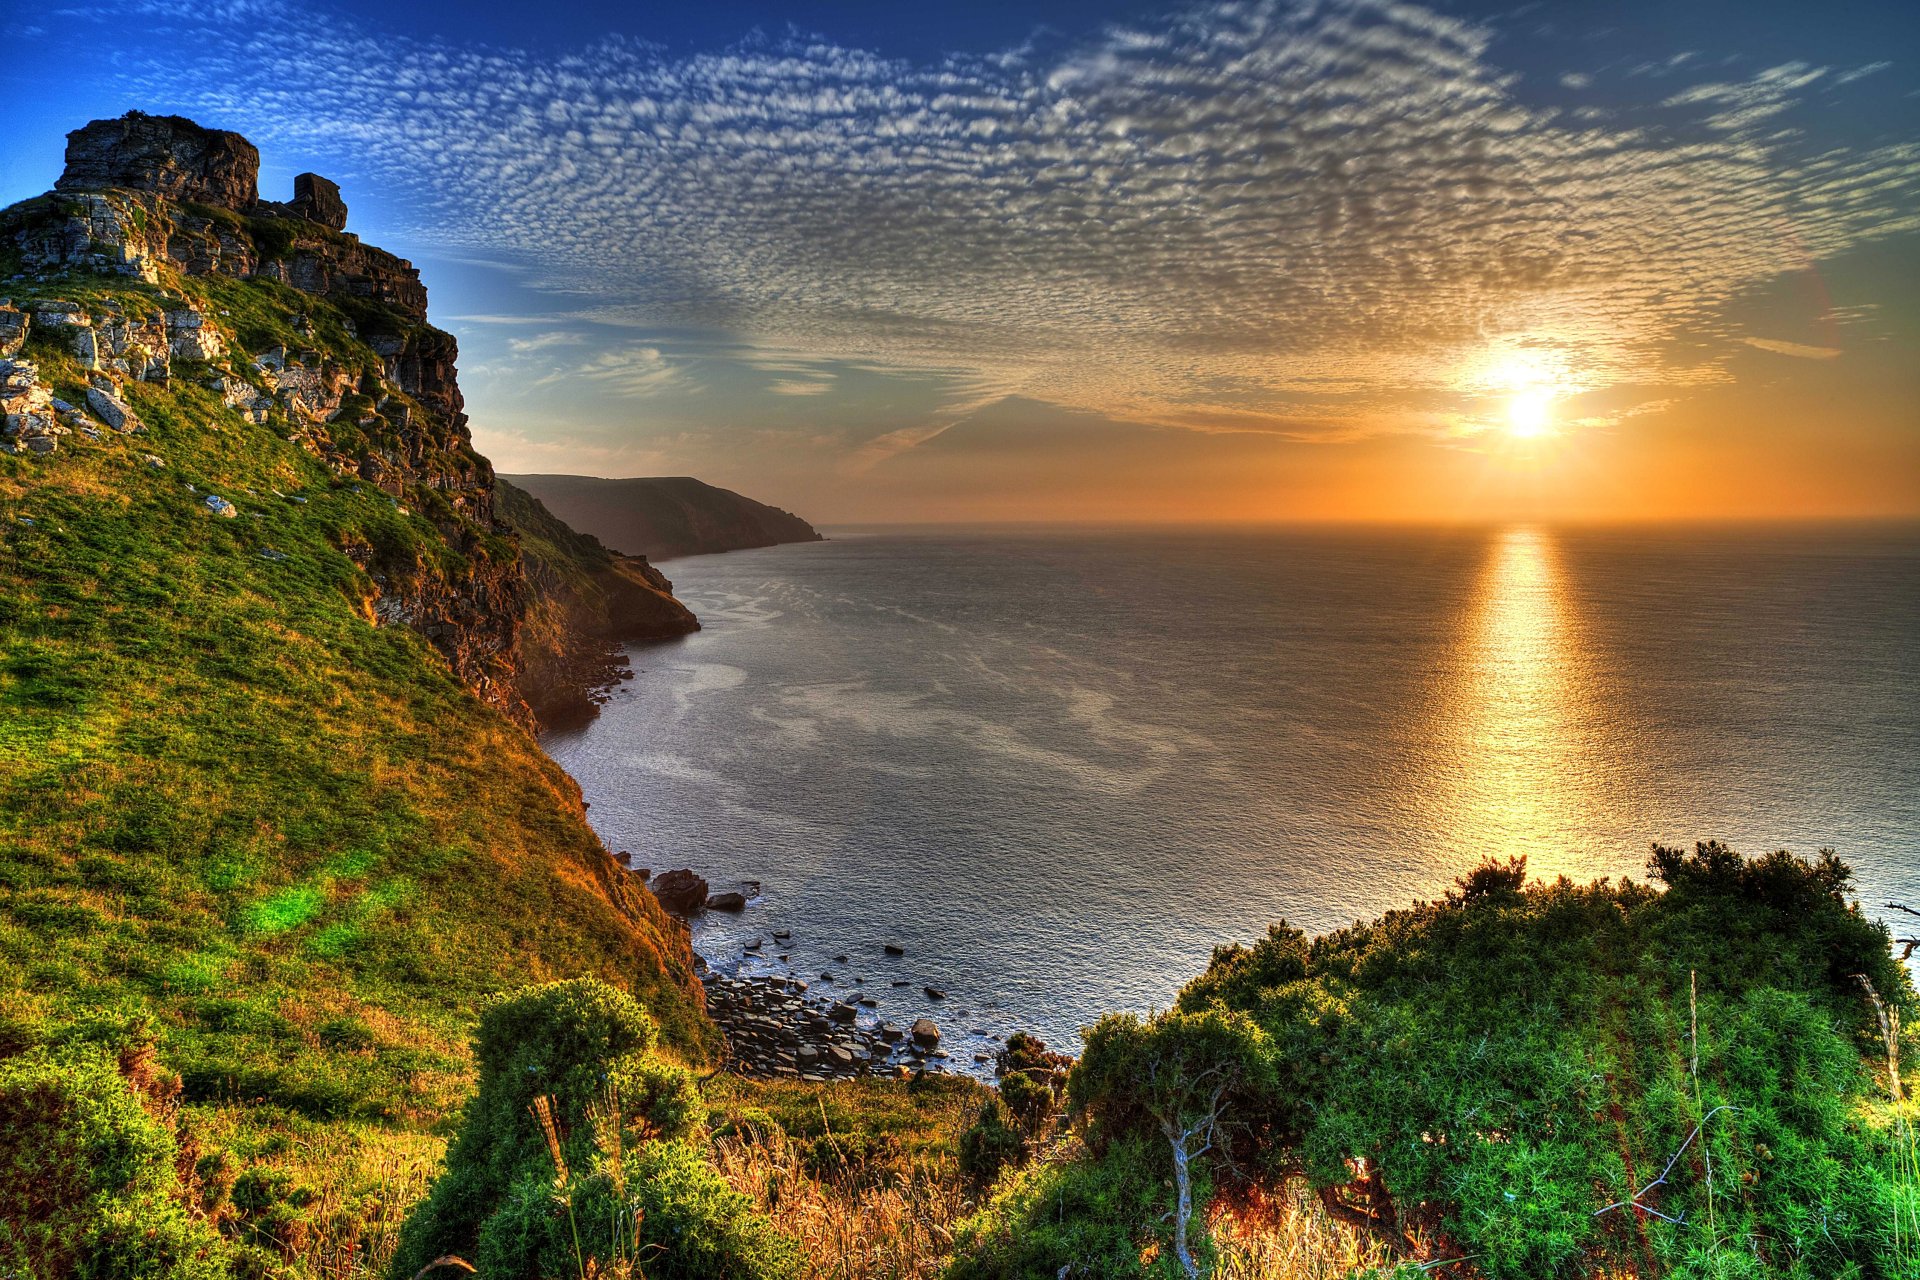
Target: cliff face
<point>587,602</point>
<point>369,387</point>
<point>261,847</point>
<point>666,516</point>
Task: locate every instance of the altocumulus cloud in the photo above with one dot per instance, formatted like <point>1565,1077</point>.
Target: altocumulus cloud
<point>1251,216</point>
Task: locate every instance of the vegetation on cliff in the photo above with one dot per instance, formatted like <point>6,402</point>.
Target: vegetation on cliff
<point>1521,1081</point>
<point>264,852</point>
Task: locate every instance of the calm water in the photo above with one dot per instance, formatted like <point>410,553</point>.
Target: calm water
<point>1059,767</point>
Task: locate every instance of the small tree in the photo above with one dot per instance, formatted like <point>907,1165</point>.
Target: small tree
<point>1190,1078</point>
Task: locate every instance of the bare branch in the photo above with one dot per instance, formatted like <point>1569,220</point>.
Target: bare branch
<point>1634,1199</point>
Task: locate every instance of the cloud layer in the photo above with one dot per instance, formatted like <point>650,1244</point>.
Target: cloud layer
<point>1319,219</point>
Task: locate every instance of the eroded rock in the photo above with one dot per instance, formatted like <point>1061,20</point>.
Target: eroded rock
<point>680,891</point>
<point>169,155</point>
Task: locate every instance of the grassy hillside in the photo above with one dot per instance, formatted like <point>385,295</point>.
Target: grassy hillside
<point>250,835</point>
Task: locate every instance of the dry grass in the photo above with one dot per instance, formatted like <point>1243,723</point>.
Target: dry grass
<point>362,1179</point>
<point>901,1226</point>
<point>1290,1237</point>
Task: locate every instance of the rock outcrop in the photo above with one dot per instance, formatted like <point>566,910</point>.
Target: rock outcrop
<point>587,602</point>
<point>666,516</point>
<point>370,389</point>
<point>681,892</point>
<point>317,199</point>
<point>168,155</point>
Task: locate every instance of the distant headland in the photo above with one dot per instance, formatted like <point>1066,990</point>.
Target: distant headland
<point>666,516</point>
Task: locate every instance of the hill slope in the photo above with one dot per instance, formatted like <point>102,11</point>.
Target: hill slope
<point>272,827</point>
<point>666,516</point>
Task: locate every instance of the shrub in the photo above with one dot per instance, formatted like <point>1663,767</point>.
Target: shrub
<point>1085,1218</point>
<point>604,1171</point>
<point>989,1145</point>
<point>1030,1103</point>
<point>87,1180</point>
<point>668,1210</point>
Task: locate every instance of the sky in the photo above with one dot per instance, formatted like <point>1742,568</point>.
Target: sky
<point>1067,260</point>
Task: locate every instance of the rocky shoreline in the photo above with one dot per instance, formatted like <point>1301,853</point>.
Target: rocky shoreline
<point>776,1028</point>
<point>778,1024</point>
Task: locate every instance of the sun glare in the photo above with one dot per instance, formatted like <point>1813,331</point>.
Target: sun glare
<point>1519,391</point>
<point>1530,413</point>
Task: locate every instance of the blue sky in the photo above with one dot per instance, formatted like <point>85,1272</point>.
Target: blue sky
<point>1365,258</point>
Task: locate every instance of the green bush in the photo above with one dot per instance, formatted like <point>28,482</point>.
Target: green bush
<point>626,1184</point>
<point>87,1180</point>
<point>1493,1070</point>
<point>1085,1218</point>
<point>669,1210</point>
<point>989,1145</point>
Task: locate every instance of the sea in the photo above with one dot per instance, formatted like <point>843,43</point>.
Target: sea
<point>1057,767</point>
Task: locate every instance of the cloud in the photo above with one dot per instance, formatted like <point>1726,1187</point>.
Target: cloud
<point>634,371</point>
<point>791,387</point>
<point>1800,349</point>
<point>1267,197</point>
<point>542,341</point>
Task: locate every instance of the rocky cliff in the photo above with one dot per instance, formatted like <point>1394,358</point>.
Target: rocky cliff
<point>264,855</point>
<point>587,602</point>
<point>666,516</point>
<point>365,384</point>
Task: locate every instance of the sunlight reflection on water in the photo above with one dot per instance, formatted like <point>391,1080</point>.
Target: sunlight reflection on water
<point>1518,768</point>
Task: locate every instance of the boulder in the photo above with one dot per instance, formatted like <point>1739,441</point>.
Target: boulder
<point>681,892</point>
<point>112,409</point>
<point>895,949</point>
<point>221,507</point>
<point>934,993</point>
<point>926,1033</point>
<point>190,337</point>
<point>14,324</point>
<point>727,902</point>
<point>317,199</point>
<point>843,1012</point>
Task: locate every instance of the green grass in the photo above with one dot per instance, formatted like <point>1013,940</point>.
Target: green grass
<point>236,812</point>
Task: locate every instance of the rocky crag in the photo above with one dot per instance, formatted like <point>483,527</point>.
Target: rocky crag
<point>666,516</point>
<point>369,387</point>
<point>587,602</point>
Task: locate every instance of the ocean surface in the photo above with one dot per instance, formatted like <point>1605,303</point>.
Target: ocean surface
<point>1059,767</point>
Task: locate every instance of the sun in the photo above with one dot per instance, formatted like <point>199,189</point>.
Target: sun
<point>1530,413</point>
<point>1520,390</point>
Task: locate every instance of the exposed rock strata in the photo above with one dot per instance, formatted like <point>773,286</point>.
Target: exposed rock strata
<point>587,602</point>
